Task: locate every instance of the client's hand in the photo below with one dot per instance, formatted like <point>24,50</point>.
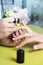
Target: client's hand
<point>29,37</point>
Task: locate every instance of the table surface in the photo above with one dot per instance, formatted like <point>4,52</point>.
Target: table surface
<point>8,54</point>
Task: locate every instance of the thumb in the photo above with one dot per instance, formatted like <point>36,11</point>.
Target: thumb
<point>38,46</point>
<point>8,19</point>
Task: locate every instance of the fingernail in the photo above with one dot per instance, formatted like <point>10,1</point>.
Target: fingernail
<point>17,47</point>
<point>35,47</point>
<point>13,38</point>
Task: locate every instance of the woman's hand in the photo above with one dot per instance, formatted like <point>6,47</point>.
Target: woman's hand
<point>31,36</point>
<point>7,29</point>
<point>8,41</point>
<point>6,26</point>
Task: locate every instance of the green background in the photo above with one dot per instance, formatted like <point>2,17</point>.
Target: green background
<point>8,54</point>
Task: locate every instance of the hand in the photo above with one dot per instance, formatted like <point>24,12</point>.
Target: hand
<point>31,36</point>
<point>7,29</point>
<point>6,26</point>
<point>7,41</point>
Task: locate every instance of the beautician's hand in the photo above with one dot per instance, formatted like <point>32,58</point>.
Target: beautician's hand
<point>6,26</point>
<point>8,41</point>
<point>7,29</point>
<point>31,36</point>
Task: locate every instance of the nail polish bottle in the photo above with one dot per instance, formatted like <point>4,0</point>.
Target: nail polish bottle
<point>20,56</point>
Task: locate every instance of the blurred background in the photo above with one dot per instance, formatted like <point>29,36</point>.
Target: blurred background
<point>35,8</point>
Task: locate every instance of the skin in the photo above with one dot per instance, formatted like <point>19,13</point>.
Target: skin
<point>14,36</point>
<point>29,37</point>
<point>9,29</point>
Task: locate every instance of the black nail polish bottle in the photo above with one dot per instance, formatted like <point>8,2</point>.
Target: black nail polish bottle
<point>20,56</point>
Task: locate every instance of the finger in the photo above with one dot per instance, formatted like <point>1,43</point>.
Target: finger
<point>16,29</point>
<point>7,24</point>
<point>5,34</point>
<point>38,46</point>
<point>20,32</point>
<point>14,35</point>
<point>8,19</point>
<point>22,36</point>
<point>10,25</point>
<point>22,27</point>
<point>13,29</point>
<point>17,33</point>
<point>10,29</point>
<point>24,42</point>
<point>27,28</point>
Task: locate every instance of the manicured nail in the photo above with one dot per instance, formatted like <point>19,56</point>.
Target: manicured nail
<point>35,47</point>
<point>17,47</point>
<point>12,38</point>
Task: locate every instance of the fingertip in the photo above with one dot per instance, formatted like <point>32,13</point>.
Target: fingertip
<point>14,35</point>
<point>17,47</point>
<point>35,47</point>
<point>13,39</point>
